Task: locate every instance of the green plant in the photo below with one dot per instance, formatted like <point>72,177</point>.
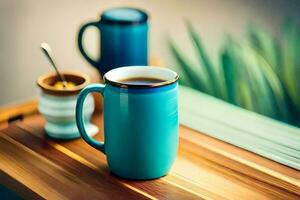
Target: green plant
<point>260,74</point>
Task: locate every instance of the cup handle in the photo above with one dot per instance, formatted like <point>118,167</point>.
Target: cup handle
<point>79,115</point>
<point>80,42</point>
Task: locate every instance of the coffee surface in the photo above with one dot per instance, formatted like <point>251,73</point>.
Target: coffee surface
<point>141,81</point>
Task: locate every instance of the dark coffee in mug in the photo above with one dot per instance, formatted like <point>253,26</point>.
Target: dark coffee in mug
<point>141,81</point>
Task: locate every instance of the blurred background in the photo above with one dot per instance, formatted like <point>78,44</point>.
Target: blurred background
<point>25,24</point>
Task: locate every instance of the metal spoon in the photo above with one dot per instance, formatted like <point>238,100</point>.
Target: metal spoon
<point>48,52</point>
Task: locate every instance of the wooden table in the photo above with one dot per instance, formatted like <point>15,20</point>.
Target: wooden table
<point>37,168</point>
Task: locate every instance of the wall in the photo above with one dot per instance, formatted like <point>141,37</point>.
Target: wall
<point>25,24</point>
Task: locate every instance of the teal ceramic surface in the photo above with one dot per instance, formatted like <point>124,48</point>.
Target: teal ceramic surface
<point>140,122</point>
<point>123,39</point>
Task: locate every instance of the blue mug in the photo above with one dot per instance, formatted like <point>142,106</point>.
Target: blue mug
<point>123,39</point>
<point>140,122</point>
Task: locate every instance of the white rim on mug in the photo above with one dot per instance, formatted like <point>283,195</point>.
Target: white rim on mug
<point>114,76</point>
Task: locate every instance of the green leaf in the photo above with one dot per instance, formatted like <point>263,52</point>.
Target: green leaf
<point>193,79</point>
<point>250,87</point>
<point>258,83</point>
<point>236,73</point>
<point>244,95</point>
<point>266,45</point>
<point>275,87</point>
<point>229,76</point>
<point>291,61</point>
<point>228,65</point>
<point>260,75</point>
<point>214,80</point>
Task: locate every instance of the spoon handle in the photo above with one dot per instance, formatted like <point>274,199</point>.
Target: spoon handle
<point>47,53</point>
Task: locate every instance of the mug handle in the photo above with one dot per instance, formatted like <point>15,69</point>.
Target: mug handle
<point>80,45</point>
<point>79,115</point>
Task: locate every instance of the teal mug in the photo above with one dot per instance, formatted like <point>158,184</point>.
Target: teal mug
<point>140,121</point>
<point>123,39</point>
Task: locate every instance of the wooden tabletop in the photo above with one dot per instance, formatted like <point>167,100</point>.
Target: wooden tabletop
<point>39,168</point>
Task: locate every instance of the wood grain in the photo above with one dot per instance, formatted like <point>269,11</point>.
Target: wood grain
<point>18,187</point>
<point>79,165</point>
<point>24,109</point>
<point>205,168</point>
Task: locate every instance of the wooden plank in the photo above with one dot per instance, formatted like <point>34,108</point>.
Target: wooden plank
<point>265,169</point>
<point>215,173</point>
<point>79,150</point>
<point>198,169</point>
<point>18,187</point>
<point>169,186</point>
<point>22,110</point>
<point>172,189</point>
<point>51,179</point>
<point>91,173</point>
<point>206,168</point>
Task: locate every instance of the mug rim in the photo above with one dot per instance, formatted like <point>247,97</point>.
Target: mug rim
<point>50,89</point>
<point>105,19</point>
<point>110,81</point>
